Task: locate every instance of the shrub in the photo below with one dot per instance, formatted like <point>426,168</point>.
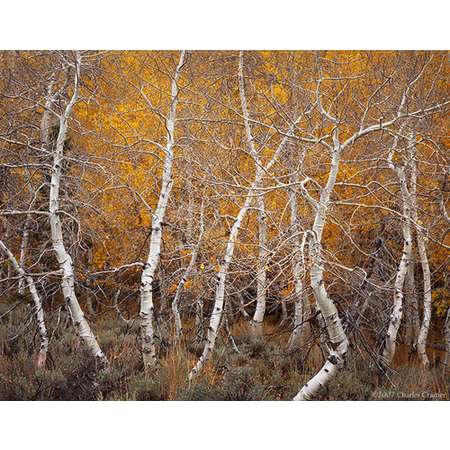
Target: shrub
<point>149,386</point>
<point>241,383</point>
<point>200,392</point>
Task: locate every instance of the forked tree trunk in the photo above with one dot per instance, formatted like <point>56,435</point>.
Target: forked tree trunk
<point>42,355</point>
<point>422,250</point>
<point>63,257</point>
<point>216,314</point>
<point>146,308</point>
<point>261,275</point>
<point>397,309</point>
<point>336,334</point>
<point>45,142</point>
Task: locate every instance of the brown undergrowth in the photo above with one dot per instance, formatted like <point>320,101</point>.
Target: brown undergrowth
<point>261,369</point>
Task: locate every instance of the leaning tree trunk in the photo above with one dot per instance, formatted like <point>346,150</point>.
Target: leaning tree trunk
<point>421,246</point>
<point>336,334</point>
<point>216,314</point>
<point>146,308</point>
<point>397,309</point>
<point>261,275</point>
<point>45,125</point>
<point>64,259</point>
<point>42,356</point>
<point>23,251</point>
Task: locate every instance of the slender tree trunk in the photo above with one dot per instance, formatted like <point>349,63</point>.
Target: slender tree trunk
<point>298,271</point>
<point>397,310</point>
<point>261,277</point>
<point>23,251</point>
<point>146,309</point>
<point>64,259</point>
<point>226,261</point>
<point>261,281</point>
<point>336,334</point>
<point>216,314</point>
<point>42,355</point>
<point>422,250</point>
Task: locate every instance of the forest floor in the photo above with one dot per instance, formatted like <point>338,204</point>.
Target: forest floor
<point>262,370</point>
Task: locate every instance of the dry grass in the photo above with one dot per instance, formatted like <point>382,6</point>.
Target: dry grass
<point>262,370</point>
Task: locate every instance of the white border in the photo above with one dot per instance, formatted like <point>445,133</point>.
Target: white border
<point>223,425</point>
<point>230,24</point>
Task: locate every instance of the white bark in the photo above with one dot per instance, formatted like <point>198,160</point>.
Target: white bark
<point>63,257</point>
<point>146,301</point>
<point>42,355</point>
<point>397,309</point>
<point>225,263</point>
<point>261,275</point>
<point>336,334</point>
<point>23,251</point>
<point>216,314</point>
<point>45,125</point>
<point>421,246</point>
<point>298,271</point>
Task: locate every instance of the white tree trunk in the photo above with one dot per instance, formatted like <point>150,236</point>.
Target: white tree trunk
<point>225,263</point>
<point>64,259</point>
<point>336,334</point>
<point>42,355</point>
<point>261,276</point>
<point>216,314</point>
<point>397,310</point>
<point>421,246</point>
<point>23,251</point>
<point>261,282</point>
<point>146,308</point>
<point>298,271</point>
